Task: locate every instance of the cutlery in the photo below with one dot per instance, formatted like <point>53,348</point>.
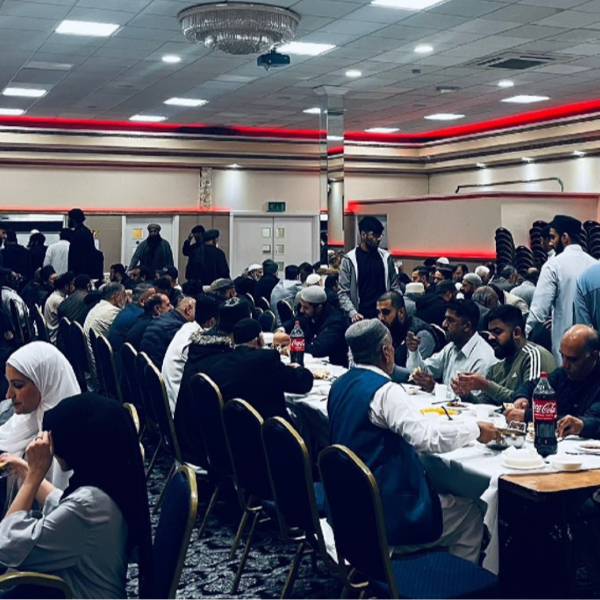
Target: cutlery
<point>447,413</point>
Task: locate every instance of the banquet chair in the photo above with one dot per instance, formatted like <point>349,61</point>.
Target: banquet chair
<point>95,362</point>
<point>17,323</point>
<point>267,321</point>
<point>284,308</point>
<point>130,386</point>
<point>79,348</point>
<point>107,365</point>
<point>151,424</point>
<point>63,341</point>
<point>136,422</point>
<point>299,501</point>
<point>243,428</point>
<point>360,539</point>
<point>34,585</point>
<point>250,299</point>
<point>173,532</point>
<point>29,330</point>
<point>208,406</point>
<point>263,303</point>
<point>40,324</point>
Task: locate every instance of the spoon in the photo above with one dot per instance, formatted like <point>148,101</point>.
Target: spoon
<point>447,413</point>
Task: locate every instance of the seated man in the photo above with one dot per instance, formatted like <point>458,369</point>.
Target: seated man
<point>391,311</point>
<point>431,308</point>
<point>285,290</point>
<point>323,325</point>
<point>520,360</point>
<point>470,283</point>
<point>466,349</point>
<point>126,319</point>
<point>378,421</point>
<point>576,383</point>
<point>155,306</point>
<point>442,274</point>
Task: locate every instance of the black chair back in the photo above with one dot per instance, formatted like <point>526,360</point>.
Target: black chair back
<point>263,303</point>
<point>208,407</point>
<point>80,353</point>
<point>108,367</point>
<point>40,324</point>
<point>93,336</point>
<point>130,387</point>
<point>267,321</point>
<point>17,323</point>
<point>63,341</point>
<point>157,397</point>
<point>356,515</point>
<point>29,330</point>
<point>250,299</point>
<point>142,360</point>
<point>243,427</point>
<point>284,308</point>
<point>173,532</point>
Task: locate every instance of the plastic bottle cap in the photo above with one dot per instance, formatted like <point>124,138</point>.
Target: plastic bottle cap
<point>543,374</point>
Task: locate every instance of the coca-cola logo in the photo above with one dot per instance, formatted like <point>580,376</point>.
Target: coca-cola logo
<point>544,410</point>
<point>297,345</point>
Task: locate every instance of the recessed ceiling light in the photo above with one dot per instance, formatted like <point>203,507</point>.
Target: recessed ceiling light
<point>506,83</point>
<point>48,66</point>
<point>578,153</point>
<point>148,118</point>
<point>335,138</point>
<point>423,49</point>
<point>87,28</point>
<point>305,48</point>
<point>407,4</point>
<point>13,112</point>
<point>186,102</point>
<point>525,99</point>
<point>527,159</point>
<point>171,58</point>
<point>234,166</point>
<point>312,111</point>
<point>481,165</point>
<point>24,92</point>
<point>353,73</point>
<point>444,117</point>
<point>382,129</point>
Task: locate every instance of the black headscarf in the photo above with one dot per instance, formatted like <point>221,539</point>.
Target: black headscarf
<point>97,439</point>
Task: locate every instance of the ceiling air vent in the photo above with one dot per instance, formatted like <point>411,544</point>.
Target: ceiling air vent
<point>514,61</point>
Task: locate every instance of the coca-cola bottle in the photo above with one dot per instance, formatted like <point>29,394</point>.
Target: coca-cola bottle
<point>297,345</point>
<point>545,411</point>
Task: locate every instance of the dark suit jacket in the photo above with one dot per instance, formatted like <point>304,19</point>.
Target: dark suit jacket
<point>82,251</point>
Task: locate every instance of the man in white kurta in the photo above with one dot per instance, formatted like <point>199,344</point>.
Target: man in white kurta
<point>557,286</point>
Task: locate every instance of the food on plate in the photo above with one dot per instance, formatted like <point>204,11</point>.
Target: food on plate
<point>457,404</point>
<point>437,411</point>
<point>416,371</point>
<point>508,405</point>
<point>320,373</point>
<point>589,446</point>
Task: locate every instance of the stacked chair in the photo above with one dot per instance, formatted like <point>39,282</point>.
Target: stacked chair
<point>535,243</point>
<point>505,248</point>
<point>592,237</point>
<point>524,260</point>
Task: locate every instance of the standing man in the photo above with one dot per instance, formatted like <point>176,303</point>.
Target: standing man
<point>556,289</point>
<point>63,286</point>
<point>193,248</point>
<point>366,273</point>
<point>82,251</point>
<point>15,256</point>
<point>57,254</point>
<point>153,253</point>
<point>215,261</point>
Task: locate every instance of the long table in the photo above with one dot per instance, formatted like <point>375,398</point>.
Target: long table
<point>473,471</point>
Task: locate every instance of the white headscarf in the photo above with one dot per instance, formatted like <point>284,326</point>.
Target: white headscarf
<point>53,376</point>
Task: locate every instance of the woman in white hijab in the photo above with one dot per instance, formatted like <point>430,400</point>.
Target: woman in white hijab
<point>39,377</point>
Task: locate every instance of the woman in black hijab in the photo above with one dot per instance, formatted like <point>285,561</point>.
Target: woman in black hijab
<point>86,533</point>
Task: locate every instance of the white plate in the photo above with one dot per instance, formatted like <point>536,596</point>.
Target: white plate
<point>411,389</point>
<point>523,467</point>
<point>582,448</point>
<point>565,463</point>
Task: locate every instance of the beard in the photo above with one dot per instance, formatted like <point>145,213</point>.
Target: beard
<point>505,351</point>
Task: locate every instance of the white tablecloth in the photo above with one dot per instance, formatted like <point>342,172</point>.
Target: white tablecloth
<point>471,472</point>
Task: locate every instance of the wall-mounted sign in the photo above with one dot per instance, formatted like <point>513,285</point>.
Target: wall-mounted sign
<point>278,207</point>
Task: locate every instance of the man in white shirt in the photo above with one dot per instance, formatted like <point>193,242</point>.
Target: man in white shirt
<point>207,310</point>
<point>557,286</point>
<point>63,286</point>
<point>57,254</point>
<point>466,350</point>
<point>378,421</point>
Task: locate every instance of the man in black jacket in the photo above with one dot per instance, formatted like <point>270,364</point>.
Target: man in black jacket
<point>14,256</point>
<point>154,307</point>
<point>576,383</point>
<point>265,285</point>
<point>323,325</point>
<point>215,261</point>
<point>82,251</point>
<point>193,248</point>
<point>431,308</point>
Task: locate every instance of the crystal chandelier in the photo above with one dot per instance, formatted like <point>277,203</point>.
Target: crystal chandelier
<point>238,27</point>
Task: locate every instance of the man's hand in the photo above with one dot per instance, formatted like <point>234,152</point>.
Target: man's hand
<point>472,381</point>
<point>281,338</point>
<point>514,414</point>
<point>521,403</point>
<point>357,317</point>
<point>459,389</point>
<point>425,380</point>
<point>412,341</point>
<point>487,433</point>
<point>566,426</point>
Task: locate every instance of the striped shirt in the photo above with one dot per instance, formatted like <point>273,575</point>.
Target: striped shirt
<point>508,374</point>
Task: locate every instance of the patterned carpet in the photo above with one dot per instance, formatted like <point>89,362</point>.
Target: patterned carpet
<point>208,572</point>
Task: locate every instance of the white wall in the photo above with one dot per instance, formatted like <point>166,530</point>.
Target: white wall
<point>379,187</point>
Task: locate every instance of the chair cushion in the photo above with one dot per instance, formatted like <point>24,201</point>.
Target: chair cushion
<point>320,498</point>
<point>438,575</point>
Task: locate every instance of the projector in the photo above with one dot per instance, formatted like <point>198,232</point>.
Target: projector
<point>272,59</point>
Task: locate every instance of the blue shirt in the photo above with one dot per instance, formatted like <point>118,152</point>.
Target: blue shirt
<point>123,322</point>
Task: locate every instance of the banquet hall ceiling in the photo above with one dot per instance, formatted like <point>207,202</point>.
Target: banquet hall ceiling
<point>113,78</point>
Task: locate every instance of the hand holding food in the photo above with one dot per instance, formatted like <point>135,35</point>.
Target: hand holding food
<point>473,381</point>
<point>566,426</point>
<point>424,379</point>
<point>488,432</point>
<point>412,341</point>
<point>514,414</point>
<point>521,404</point>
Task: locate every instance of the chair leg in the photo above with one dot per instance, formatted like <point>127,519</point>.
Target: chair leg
<point>209,508</point>
<point>238,535</point>
<point>162,493</point>
<point>151,465</point>
<point>238,575</point>
<point>293,572</point>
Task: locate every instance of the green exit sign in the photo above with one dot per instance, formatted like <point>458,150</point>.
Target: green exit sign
<point>276,207</point>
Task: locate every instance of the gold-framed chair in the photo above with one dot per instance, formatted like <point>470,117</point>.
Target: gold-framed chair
<point>361,543</point>
<point>174,529</point>
<point>17,323</point>
<point>284,308</point>
<point>298,500</point>
<point>268,321</point>
<point>80,353</point>
<point>63,341</point>
<point>95,363</point>
<point>107,369</point>
<point>243,428</point>
<point>250,299</point>
<point>131,409</point>
<point>208,407</point>
<point>263,303</point>
<point>56,586</point>
<point>40,324</point>
<point>130,385</point>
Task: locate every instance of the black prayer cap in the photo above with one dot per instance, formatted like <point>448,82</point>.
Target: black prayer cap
<point>565,224</point>
<point>231,312</point>
<point>211,234</point>
<point>245,331</point>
